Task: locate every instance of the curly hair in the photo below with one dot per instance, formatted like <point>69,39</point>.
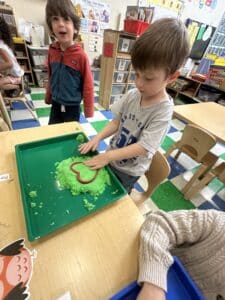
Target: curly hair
<point>5,34</point>
<point>64,9</point>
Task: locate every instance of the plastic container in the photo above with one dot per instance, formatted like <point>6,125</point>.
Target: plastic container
<point>120,77</point>
<point>131,77</point>
<point>52,207</point>
<point>41,77</point>
<point>122,64</point>
<point>115,98</point>
<point>39,56</point>
<point>135,26</point>
<point>131,86</point>
<point>125,44</point>
<point>180,286</point>
<point>118,89</point>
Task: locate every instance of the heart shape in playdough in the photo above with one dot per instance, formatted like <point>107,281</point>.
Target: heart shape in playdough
<point>78,175</point>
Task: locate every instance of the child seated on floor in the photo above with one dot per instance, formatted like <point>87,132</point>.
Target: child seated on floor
<point>196,237</point>
<point>10,71</point>
<point>142,117</point>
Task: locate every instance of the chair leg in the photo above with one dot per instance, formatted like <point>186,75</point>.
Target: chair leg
<point>28,107</point>
<point>196,175</point>
<point>203,182</point>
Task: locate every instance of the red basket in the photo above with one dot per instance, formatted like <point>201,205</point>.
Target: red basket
<point>135,26</point>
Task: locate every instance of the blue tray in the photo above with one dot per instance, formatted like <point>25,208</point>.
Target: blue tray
<point>180,286</point>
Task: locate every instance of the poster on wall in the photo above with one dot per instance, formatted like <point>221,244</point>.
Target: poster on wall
<point>206,11</point>
<point>94,15</point>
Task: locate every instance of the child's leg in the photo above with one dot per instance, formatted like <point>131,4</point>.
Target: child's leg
<point>72,113</point>
<point>55,114</point>
<point>127,181</point>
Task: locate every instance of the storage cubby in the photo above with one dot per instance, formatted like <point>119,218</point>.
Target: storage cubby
<point>116,76</point>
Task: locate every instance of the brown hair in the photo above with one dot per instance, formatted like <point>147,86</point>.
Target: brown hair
<point>63,9</point>
<point>164,45</point>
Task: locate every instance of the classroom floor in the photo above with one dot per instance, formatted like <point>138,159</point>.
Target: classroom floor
<point>168,195</point>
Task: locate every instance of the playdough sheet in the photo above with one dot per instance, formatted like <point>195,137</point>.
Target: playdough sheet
<point>47,206</point>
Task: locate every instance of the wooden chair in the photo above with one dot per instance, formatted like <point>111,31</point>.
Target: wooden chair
<point>21,98</point>
<point>3,125</point>
<point>4,112</point>
<point>218,172</point>
<point>196,143</point>
<point>157,172</point>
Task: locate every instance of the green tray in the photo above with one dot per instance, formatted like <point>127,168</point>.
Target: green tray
<point>53,208</point>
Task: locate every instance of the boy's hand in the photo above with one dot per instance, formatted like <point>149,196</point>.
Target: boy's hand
<point>89,146</point>
<point>97,162</point>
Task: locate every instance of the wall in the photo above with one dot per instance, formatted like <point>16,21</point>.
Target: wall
<point>35,10</point>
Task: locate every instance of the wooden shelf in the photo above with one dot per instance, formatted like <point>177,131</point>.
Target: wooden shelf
<point>193,91</point>
<point>109,89</point>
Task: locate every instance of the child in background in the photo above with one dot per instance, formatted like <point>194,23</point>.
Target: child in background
<point>142,117</point>
<point>10,71</point>
<point>196,237</point>
<point>70,78</point>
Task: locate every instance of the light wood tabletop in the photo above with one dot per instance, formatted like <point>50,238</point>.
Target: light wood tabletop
<point>208,115</point>
<point>92,258</point>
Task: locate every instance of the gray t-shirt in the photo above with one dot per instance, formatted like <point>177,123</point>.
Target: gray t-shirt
<point>146,126</point>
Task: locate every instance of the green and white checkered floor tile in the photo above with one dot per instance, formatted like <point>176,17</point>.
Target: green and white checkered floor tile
<point>168,195</point>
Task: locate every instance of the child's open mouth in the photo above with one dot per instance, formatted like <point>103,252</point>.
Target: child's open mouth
<point>62,33</point>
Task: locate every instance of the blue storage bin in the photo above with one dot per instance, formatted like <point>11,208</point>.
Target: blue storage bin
<point>180,286</point>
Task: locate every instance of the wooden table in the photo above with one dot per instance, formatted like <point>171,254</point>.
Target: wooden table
<point>208,115</point>
<point>92,258</point>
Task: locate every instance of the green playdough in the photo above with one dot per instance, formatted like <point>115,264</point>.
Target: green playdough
<point>68,179</point>
<point>80,138</point>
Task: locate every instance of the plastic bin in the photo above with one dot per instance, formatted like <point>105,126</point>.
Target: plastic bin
<point>180,286</point>
<point>39,56</point>
<point>115,98</point>
<point>125,44</point>
<point>135,26</point>
<point>131,77</point>
<point>122,64</point>
<point>118,89</point>
<point>131,86</point>
<point>41,77</point>
<point>120,77</point>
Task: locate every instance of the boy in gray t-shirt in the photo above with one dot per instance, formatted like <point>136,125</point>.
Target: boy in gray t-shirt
<point>142,117</point>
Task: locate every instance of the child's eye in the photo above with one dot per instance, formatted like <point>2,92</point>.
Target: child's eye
<point>55,18</point>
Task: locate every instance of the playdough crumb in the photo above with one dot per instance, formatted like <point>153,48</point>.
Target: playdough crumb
<point>80,138</point>
<point>88,205</point>
<point>32,204</point>
<point>53,223</point>
<point>33,194</point>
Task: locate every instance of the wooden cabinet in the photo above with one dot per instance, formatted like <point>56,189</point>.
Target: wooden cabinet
<point>22,56</point>
<point>191,91</point>
<point>117,75</point>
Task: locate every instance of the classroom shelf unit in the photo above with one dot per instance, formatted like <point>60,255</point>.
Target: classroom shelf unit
<point>117,75</point>
<point>195,91</point>
<point>22,56</point>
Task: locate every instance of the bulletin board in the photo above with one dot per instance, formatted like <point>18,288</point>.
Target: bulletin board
<point>164,8</point>
<point>95,17</point>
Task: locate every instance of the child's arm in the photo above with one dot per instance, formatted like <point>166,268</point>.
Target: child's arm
<point>101,160</point>
<point>88,88</point>
<point>163,231</point>
<point>151,292</point>
<point>109,130</point>
<point>7,63</point>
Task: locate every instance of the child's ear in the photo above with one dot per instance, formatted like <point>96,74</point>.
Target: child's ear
<point>173,76</point>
